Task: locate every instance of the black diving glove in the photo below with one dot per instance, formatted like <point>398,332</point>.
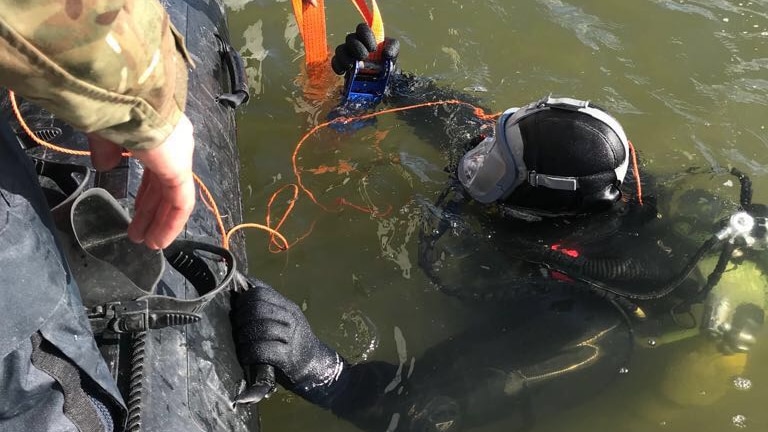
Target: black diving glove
<point>270,329</point>
<point>358,46</point>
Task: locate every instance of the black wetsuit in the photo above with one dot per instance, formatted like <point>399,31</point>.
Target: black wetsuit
<point>543,340</point>
<point>523,361</point>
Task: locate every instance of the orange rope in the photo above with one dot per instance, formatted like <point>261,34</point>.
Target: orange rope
<point>372,211</point>
<point>276,248</point>
<point>275,235</point>
<point>211,204</point>
<point>636,173</point>
<point>204,200</point>
<point>36,139</point>
<point>204,192</point>
<point>479,112</point>
<point>291,204</point>
<point>253,225</point>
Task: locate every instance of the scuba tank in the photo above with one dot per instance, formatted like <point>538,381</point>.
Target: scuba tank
<point>161,319</point>
<point>734,308</point>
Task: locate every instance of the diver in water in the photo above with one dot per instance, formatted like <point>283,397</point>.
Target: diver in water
<point>543,231</point>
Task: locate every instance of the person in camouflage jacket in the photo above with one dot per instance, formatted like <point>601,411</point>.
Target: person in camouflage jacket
<point>118,70</point>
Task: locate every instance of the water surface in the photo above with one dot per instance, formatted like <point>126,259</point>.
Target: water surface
<point>687,79</point>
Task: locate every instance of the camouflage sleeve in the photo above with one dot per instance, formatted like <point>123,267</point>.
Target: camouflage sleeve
<point>114,67</point>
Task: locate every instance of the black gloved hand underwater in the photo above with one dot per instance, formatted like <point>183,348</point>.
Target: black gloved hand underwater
<point>358,46</point>
<point>270,329</point>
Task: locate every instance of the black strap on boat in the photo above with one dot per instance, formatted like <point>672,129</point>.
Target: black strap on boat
<point>122,297</point>
<point>155,311</point>
<point>238,82</point>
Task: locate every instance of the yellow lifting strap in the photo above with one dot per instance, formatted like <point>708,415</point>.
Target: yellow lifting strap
<point>310,17</point>
<point>372,18</point>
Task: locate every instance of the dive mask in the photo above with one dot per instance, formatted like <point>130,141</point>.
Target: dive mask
<point>496,167</point>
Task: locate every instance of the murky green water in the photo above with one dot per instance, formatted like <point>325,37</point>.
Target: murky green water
<point>687,79</point>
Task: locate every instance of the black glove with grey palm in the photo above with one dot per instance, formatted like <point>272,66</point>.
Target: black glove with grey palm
<point>358,46</point>
<point>271,330</point>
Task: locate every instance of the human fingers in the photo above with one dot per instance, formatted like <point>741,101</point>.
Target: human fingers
<point>105,154</point>
<point>171,215</point>
<point>145,207</point>
<point>142,192</point>
<point>165,202</point>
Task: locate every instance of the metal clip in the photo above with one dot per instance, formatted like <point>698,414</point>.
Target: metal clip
<point>130,317</point>
<point>120,317</point>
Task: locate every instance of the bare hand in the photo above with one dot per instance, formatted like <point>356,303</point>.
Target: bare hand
<point>166,196</point>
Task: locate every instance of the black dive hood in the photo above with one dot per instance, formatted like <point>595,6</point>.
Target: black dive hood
<point>554,156</point>
<point>166,335</point>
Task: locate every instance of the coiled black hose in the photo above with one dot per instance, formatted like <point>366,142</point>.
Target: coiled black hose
<point>582,269</point>
<point>618,268</point>
<point>745,195</point>
<point>590,270</point>
<point>136,388</point>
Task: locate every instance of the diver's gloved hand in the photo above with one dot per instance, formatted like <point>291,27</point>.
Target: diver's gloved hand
<point>358,46</point>
<point>270,329</point>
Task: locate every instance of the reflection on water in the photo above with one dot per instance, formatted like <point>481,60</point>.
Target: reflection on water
<point>687,79</point>
<point>589,29</point>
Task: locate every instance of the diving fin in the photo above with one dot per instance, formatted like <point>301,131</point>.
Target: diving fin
<point>118,278</point>
<point>113,268</point>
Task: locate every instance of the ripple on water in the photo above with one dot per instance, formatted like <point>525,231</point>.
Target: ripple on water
<point>688,7</point>
<point>740,421</point>
<point>589,29</point>
<point>742,383</point>
<point>361,334</point>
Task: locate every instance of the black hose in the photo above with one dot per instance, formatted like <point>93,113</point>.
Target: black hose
<point>574,267</point>
<point>717,273</point>
<point>745,195</point>
<point>579,268</point>
<point>589,270</point>
<point>135,397</point>
<point>617,268</point>
<point>712,280</point>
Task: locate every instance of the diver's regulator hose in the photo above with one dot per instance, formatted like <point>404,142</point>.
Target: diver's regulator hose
<point>586,270</point>
<point>741,226</point>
